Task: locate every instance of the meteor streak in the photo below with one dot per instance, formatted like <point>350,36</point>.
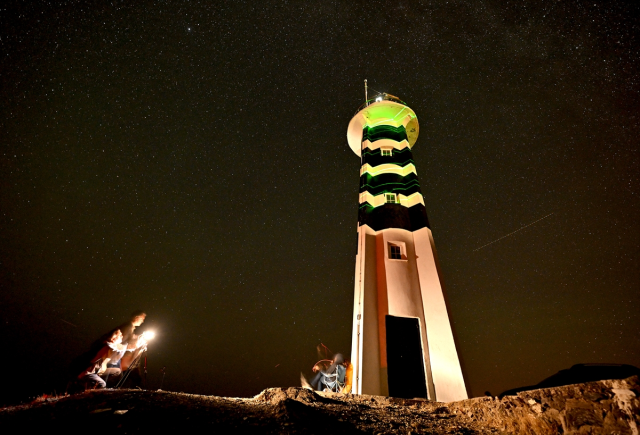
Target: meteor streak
<point>512,233</point>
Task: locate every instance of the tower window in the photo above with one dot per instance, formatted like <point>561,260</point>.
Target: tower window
<point>386,152</point>
<point>397,251</point>
<point>391,198</point>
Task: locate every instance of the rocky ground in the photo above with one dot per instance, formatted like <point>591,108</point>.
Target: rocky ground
<point>605,407</point>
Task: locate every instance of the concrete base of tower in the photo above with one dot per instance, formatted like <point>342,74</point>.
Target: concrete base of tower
<point>402,343</point>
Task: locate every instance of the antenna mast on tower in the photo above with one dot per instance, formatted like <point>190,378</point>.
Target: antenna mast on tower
<point>365,91</point>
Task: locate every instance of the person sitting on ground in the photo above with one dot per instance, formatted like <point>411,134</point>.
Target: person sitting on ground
<point>324,377</point>
<point>117,350</point>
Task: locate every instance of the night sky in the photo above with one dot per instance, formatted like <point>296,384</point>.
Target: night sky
<point>190,159</point>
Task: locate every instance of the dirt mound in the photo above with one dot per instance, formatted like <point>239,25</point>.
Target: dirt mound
<point>275,396</point>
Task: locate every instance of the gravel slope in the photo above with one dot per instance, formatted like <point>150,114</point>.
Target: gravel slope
<point>604,407</point>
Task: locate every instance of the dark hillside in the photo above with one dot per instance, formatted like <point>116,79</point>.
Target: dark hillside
<point>603,407</point>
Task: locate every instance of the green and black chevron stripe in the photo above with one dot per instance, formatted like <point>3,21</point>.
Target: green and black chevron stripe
<point>399,157</point>
<point>389,183</point>
<point>389,215</point>
<point>378,132</point>
<point>393,216</point>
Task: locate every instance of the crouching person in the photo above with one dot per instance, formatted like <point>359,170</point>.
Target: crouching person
<point>99,363</point>
<point>116,351</point>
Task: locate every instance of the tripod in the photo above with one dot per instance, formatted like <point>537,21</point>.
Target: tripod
<point>133,365</point>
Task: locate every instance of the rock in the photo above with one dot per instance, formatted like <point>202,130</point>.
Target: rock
<point>98,411</point>
<point>276,395</point>
<point>603,407</point>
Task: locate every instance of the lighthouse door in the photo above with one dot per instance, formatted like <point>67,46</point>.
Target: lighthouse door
<point>405,363</point>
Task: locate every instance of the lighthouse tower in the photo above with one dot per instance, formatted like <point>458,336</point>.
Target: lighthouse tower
<point>402,343</point>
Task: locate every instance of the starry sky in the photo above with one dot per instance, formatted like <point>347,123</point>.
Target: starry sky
<point>189,158</point>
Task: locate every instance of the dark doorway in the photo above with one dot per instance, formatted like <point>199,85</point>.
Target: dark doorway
<point>405,364</point>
